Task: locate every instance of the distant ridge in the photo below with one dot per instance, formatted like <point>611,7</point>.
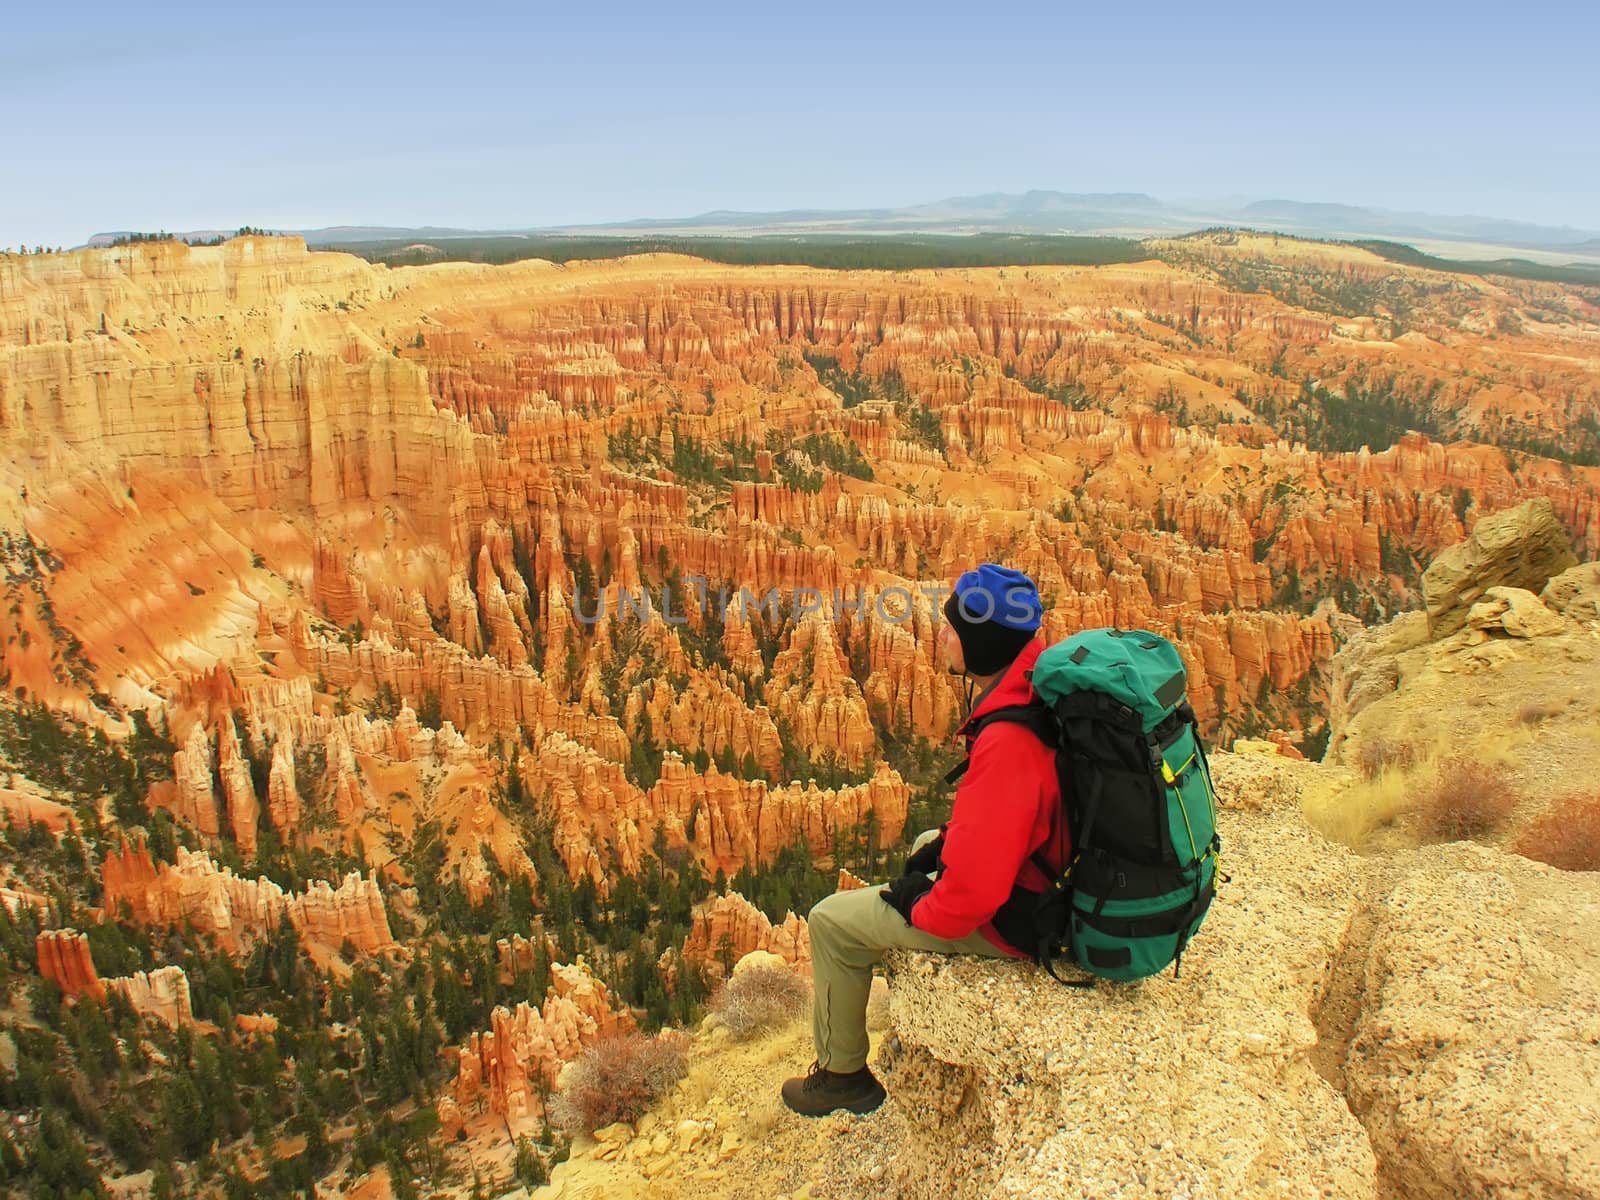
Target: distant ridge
<point>1347,219</point>
<point>1123,214</point>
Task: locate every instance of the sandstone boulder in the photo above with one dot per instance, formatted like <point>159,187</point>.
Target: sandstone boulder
<point>1521,547</point>
<point>759,960</point>
<point>1516,611</point>
<point>1575,592</point>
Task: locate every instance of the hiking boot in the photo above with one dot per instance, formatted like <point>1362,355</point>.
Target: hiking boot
<point>818,1092</point>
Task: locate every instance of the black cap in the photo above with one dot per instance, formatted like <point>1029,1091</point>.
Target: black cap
<point>987,648</point>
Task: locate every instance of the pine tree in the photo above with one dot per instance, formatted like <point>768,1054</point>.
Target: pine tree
<point>530,1168</point>
<point>163,1184</point>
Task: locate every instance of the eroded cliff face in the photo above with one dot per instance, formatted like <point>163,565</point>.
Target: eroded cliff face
<point>399,434</point>
<point>424,486</point>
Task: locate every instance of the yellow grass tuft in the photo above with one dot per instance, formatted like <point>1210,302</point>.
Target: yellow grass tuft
<point>1439,790</point>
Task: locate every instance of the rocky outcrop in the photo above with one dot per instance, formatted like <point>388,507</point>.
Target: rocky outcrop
<point>193,801</point>
<point>1367,670</point>
<point>214,900</point>
<point>512,1066</point>
<point>1414,1026</point>
<point>727,821</point>
<point>283,798</point>
<point>1011,1085</point>
<point>16,899</point>
<point>1477,609</point>
<point>1474,1062</point>
<point>706,716</point>
<point>1515,611</point>
<point>238,791</point>
<point>64,958</point>
<point>353,912</point>
<point>811,687</point>
<point>1575,592</point>
<point>1520,548</point>
<point>516,954</point>
<point>726,928</point>
<point>344,781</point>
<point>162,994</point>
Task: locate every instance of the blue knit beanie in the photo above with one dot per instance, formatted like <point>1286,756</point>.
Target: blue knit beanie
<point>1003,595</point>
<point>995,611</point>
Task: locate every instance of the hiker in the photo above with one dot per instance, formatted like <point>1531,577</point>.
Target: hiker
<point>958,878</point>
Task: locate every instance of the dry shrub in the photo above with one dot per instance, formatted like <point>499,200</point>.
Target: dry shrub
<point>1467,799</point>
<point>760,998</point>
<point>1537,713</point>
<point>1566,836</point>
<point>1377,756</point>
<point>618,1079</point>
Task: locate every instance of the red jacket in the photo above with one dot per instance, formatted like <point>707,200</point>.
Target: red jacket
<point>1007,806</point>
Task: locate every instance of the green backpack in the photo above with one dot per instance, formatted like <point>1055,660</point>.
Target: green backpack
<point>1139,805</point>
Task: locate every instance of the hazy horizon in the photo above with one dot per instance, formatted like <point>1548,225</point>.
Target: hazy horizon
<point>510,118</point>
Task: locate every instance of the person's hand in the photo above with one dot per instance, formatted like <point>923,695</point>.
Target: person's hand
<point>904,892</point>
<point>926,860</point>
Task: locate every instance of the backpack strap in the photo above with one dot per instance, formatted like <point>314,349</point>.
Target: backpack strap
<point>1047,961</point>
<point>1038,717</point>
<point>1035,715</point>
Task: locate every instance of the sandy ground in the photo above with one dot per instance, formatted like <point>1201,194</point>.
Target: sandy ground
<point>750,1147</point>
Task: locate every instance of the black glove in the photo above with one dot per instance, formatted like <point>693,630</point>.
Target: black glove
<point>926,861</point>
<point>905,892</point>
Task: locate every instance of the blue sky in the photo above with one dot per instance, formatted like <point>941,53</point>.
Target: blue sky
<point>299,115</point>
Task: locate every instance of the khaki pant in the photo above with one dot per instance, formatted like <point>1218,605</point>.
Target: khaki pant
<point>850,931</point>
